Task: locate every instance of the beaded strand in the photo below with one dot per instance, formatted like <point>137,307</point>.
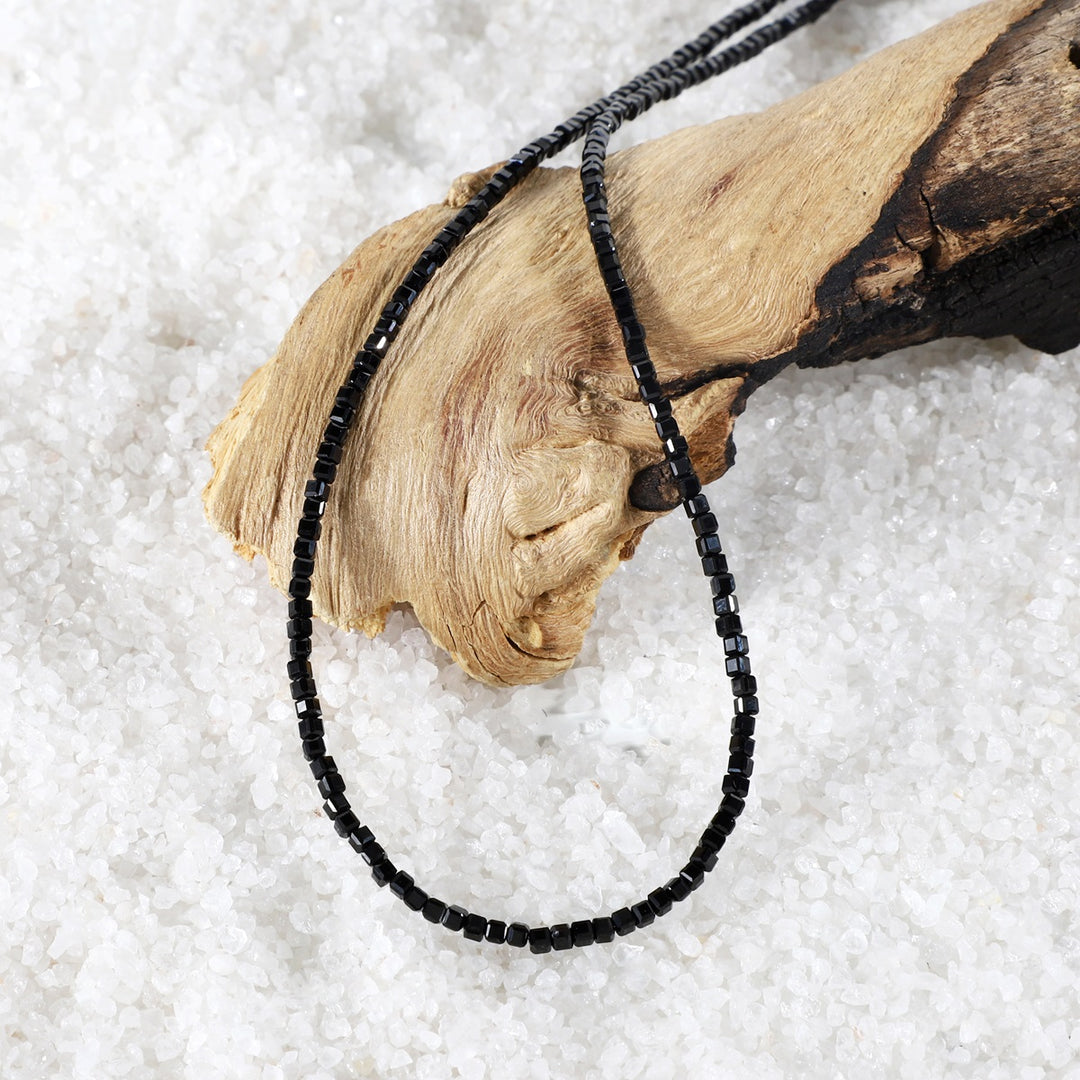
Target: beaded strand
<point>686,67</point>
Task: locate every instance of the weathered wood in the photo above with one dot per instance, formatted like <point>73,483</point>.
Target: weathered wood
<point>502,463</point>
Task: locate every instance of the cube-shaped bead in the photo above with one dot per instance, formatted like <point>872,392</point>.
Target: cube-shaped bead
<point>517,934</point>
<point>561,938</point>
<point>454,917</point>
<point>581,932</point>
<point>603,929</point>
<point>433,909</point>
<point>660,901</point>
<point>735,784</point>
<point>743,724</point>
<point>401,884</point>
<point>540,939</point>
<point>475,926</point>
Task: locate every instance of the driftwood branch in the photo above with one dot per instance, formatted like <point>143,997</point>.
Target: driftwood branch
<point>503,465</point>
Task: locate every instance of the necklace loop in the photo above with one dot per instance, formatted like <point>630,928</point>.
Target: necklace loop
<point>693,63</point>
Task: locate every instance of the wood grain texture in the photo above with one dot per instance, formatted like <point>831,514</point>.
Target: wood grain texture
<point>502,464</point>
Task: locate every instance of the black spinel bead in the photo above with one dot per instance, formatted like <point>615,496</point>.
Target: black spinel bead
<point>709,544</point>
<point>602,242</point>
<point>377,345</point>
<point>330,783</point>
<point>743,724</point>
<point>298,628</point>
<point>603,929</point>
<point>713,839</point>
<point>688,486</point>
<point>303,568</point>
<point>336,805</point>
<point>415,279</point>
<point>723,822</point>
<point>321,766</point>
<point>581,932</point>
<point>308,709</point>
<point>680,467</point>
<point>666,427</point>
<point>475,926</point>
<point>740,765</point>
<point>660,410</point>
<point>401,884</point>
<point>342,415</point>
<point>724,584</point>
<point>733,804</point>
<point>540,939</point>
<point>455,916</point>
<point>744,685</point>
<point>652,391</point>
<point>436,252</point>
<point>404,295</point>
<point>300,648</point>
<point>715,566</point>
<point>728,624</point>
<point>660,900</point>
<point>737,665</point>
<point>387,325</point>
<point>517,934</point>
<point>325,471</point>
<point>358,379</point>
<point>303,688</point>
<point>298,669</point>
<point>329,452</point>
<point>561,938</point>
<point>415,898</point>
<point>725,605</point>
<point>370,356</point>
<point>747,705</point>
<point>348,397</point>
<point>611,272</point>
<point>316,489</point>
<point>496,931</point>
<point>741,744</point>
<point>335,433</point>
<point>304,548</point>
<point>645,369</point>
<point>314,508</point>
<point>623,921</point>
<point>643,913</point>
<point>433,909</point>
<point>372,853</point>
<point>675,446</point>
<point>313,748</point>
<point>311,727</point>
<point>736,784</point>
<point>704,524</point>
<point>623,303</point>
<point>696,506</point>
<point>678,888</point>
<point>705,856</point>
<point>360,836</point>
<point>383,872</point>
<point>300,587</point>
<point>694,873</point>
<point>736,645</point>
<point>345,822</point>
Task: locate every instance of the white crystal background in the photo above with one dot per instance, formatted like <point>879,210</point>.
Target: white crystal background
<point>900,899</point>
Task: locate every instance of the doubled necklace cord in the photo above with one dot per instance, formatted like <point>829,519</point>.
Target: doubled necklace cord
<point>695,62</point>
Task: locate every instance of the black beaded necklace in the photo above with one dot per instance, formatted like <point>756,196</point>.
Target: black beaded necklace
<point>692,64</point>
